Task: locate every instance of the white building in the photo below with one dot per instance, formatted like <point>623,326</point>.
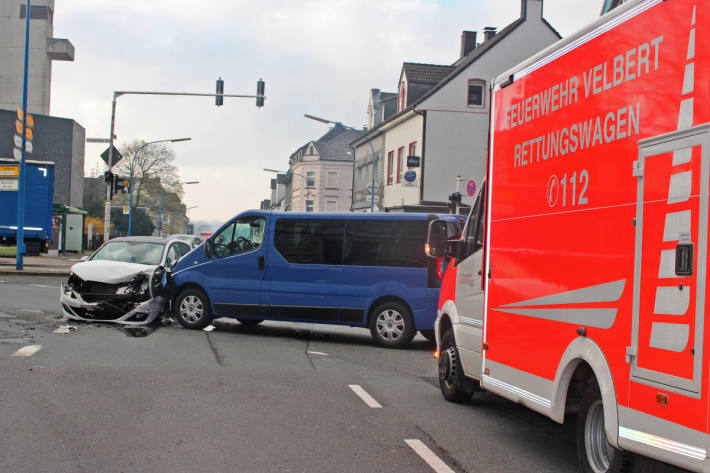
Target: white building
<point>443,115</point>
<point>42,51</point>
<point>321,174</point>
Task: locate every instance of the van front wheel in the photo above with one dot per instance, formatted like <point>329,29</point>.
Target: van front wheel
<point>192,309</point>
<point>392,325</point>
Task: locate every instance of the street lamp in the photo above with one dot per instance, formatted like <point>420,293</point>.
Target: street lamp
<point>160,214</point>
<point>130,185</point>
<point>364,135</point>
<point>277,171</point>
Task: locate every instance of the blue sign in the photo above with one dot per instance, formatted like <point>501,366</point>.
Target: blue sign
<point>471,188</point>
<point>410,176</point>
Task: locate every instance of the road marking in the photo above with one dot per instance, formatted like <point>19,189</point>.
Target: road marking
<point>27,350</point>
<point>317,353</point>
<point>1,282</point>
<point>32,311</point>
<point>428,456</point>
<point>43,285</point>
<point>367,399</point>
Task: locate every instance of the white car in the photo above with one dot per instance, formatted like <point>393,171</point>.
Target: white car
<point>122,281</point>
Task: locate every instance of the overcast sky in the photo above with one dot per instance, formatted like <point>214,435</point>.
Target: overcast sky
<point>316,56</point>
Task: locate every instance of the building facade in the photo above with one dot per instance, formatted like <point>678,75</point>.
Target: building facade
<point>443,114</point>
<point>43,49</point>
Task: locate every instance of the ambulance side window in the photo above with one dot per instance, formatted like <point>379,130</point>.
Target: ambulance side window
<point>474,226</point>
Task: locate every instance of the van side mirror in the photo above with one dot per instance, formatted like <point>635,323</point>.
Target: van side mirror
<point>208,248</point>
<point>436,242</point>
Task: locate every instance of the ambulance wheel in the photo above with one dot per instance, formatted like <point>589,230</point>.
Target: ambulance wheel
<point>593,450</point>
<point>392,325</point>
<point>453,382</point>
<point>250,322</point>
<point>192,309</point>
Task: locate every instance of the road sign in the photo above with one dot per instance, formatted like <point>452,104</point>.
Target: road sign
<point>116,156</point>
<point>9,171</point>
<point>19,127</point>
<point>17,153</point>
<point>412,161</point>
<point>8,184</point>
<point>471,188</point>
<point>125,210</point>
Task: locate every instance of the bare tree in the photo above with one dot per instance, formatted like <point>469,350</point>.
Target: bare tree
<point>153,167</point>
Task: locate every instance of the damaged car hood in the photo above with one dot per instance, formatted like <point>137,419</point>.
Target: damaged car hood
<point>110,272</point>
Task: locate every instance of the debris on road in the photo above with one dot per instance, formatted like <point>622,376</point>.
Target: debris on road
<point>64,329</point>
<point>209,328</point>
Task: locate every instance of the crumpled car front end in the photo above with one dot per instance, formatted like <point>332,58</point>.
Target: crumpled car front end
<point>107,291</point>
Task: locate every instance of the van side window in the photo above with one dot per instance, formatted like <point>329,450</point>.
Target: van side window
<point>305,241</point>
<point>397,243</point>
<point>241,236</point>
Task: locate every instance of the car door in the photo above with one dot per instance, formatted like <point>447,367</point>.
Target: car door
<point>235,274</point>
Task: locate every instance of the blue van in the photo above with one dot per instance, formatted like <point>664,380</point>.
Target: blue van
<point>355,269</point>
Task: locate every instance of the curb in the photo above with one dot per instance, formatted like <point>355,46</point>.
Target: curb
<point>34,272</point>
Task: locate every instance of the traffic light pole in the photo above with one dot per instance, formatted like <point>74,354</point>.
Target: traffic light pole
<point>20,237</point>
<point>118,93</point>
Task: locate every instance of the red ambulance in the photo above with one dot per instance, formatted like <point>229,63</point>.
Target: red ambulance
<point>579,284</point>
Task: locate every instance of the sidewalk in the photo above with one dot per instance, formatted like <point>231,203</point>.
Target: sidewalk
<point>39,265</point>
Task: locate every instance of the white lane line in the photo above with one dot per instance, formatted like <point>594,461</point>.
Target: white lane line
<point>1,282</point>
<point>366,398</point>
<point>428,456</point>
<point>317,353</point>
<point>27,350</point>
<point>43,285</point>
<point>31,311</point>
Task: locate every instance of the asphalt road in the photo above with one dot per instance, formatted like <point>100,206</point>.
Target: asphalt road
<point>277,398</point>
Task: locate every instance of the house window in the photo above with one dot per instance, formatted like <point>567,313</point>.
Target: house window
<point>331,206</point>
<point>311,179</point>
<point>332,179</point>
<point>400,158</point>
<point>412,149</point>
<point>310,150</point>
<point>37,12</point>
<point>475,93</point>
<point>309,206</point>
<point>390,158</point>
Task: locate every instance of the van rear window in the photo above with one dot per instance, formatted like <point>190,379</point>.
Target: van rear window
<point>304,241</point>
<point>397,243</point>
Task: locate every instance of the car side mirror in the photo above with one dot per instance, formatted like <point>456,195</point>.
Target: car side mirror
<point>436,242</point>
<point>85,258</point>
<point>208,248</point>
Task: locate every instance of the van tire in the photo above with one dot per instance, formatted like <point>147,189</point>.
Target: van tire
<point>250,322</point>
<point>392,325</point>
<point>454,385</point>
<point>192,309</point>
<point>594,453</point>
<point>429,335</point>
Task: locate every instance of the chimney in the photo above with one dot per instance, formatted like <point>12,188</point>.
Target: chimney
<point>531,8</point>
<point>489,32</point>
<point>468,42</point>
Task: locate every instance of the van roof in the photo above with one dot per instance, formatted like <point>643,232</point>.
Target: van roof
<point>358,215</point>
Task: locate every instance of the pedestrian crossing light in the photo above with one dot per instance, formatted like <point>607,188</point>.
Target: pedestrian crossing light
<point>218,100</point>
<point>260,93</point>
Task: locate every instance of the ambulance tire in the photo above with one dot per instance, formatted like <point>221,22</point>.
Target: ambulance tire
<point>455,386</point>
<point>593,450</point>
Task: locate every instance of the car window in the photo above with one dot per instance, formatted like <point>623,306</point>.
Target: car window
<point>183,249</point>
<point>173,255</point>
<point>131,252</point>
<point>240,236</point>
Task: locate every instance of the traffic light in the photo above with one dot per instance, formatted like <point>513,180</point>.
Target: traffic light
<point>454,202</point>
<point>120,185</point>
<point>218,100</point>
<point>260,92</point>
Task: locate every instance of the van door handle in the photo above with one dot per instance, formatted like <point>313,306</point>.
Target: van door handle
<point>261,262</point>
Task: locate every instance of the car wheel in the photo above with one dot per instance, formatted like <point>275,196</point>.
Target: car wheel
<point>250,322</point>
<point>593,450</point>
<point>429,335</point>
<point>454,385</point>
<point>192,309</point>
<point>391,325</point>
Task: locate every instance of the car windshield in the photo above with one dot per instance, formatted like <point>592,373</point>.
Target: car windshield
<point>131,252</point>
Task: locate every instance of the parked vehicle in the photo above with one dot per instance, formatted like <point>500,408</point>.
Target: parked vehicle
<point>362,270</point>
<point>121,281</point>
<point>579,283</point>
<point>39,193</point>
<point>192,240</point>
